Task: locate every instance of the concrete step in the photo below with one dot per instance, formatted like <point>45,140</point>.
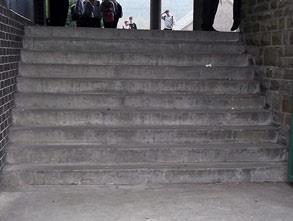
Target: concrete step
<point>130,58</point>
<point>142,135</point>
<point>69,85</point>
<point>106,34</point>
<point>117,45</point>
<point>77,174</point>
<point>136,72</point>
<point>114,155</point>
<point>132,117</point>
<point>140,101</point>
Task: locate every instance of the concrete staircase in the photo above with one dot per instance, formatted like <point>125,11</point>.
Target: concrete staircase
<point>98,107</point>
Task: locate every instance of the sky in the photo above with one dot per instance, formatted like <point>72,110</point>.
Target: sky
<point>140,10</point>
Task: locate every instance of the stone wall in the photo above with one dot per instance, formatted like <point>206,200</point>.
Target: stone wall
<point>11,33</point>
<point>268,28</point>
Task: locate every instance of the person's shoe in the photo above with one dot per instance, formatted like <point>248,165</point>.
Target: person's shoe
<point>235,25</point>
<point>212,29</point>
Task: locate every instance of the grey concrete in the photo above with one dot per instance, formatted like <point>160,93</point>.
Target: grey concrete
<point>68,85</point>
<point>143,135</point>
<point>107,155</point>
<point>102,34</point>
<point>140,101</point>
<point>130,58</point>
<point>159,117</point>
<point>136,72</point>
<point>130,117</point>
<point>146,45</point>
<point>246,202</point>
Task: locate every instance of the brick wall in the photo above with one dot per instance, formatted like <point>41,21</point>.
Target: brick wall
<point>268,28</point>
<point>11,32</point>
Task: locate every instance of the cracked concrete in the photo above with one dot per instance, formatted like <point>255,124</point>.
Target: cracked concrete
<point>226,202</point>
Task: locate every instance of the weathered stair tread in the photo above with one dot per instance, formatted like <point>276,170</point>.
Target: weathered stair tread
<point>160,146</point>
<point>134,72</point>
<point>188,127</point>
<point>142,58</point>
<point>117,154</point>
<point>157,45</point>
<point>139,174</point>
<point>138,40</point>
<point>131,116</point>
<point>65,85</point>
<point>142,94</point>
<point>143,135</point>
<point>98,34</point>
<point>189,166</point>
<point>137,100</point>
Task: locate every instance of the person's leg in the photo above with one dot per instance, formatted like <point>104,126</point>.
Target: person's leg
<point>116,20</point>
<point>236,14</point>
<point>58,12</point>
<point>107,24</point>
<point>64,12</point>
<point>96,23</point>
<point>206,15</point>
<point>214,9</point>
<point>210,8</point>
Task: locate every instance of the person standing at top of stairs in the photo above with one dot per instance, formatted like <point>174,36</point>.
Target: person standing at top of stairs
<point>210,8</point>
<point>236,15</point>
<point>118,13</point>
<point>169,20</point>
<point>209,12</point>
<point>108,13</point>
<point>91,16</point>
<point>58,12</point>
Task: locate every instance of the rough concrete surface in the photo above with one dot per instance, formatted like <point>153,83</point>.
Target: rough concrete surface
<point>163,203</point>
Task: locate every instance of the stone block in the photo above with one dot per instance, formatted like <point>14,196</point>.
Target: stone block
<point>277,38</point>
<point>272,56</point>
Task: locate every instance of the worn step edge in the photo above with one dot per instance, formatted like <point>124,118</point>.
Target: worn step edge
<point>135,72</point>
<point>138,40</point>
<point>138,101</point>
<point>133,117</point>
<point>72,32</point>
<point>78,45</point>
<point>183,166</point>
<point>141,58</point>
<point>16,146</point>
<point>143,135</point>
<point>14,128</point>
<point>58,85</point>
<point>111,154</point>
<point>143,174</point>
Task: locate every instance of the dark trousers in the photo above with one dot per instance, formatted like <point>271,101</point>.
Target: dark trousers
<point>89,22</point>
<point>116,20</point>
<point>210,8</point>
<point>58,12</point>
<point>237,10</point>
<point>108,24</point>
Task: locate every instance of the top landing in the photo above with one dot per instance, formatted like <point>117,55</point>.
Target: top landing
<point>94,33</point>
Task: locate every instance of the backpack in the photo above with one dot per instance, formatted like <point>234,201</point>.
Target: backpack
<point>73,14</point>
<point>109,15</point>
<point>97,10</point>
<point>118,10</point>
<point>76,10</point>
<point>91,11</point>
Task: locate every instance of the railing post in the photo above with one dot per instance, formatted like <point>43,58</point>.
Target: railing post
<point>156,8</point>
<point>197,14</point>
